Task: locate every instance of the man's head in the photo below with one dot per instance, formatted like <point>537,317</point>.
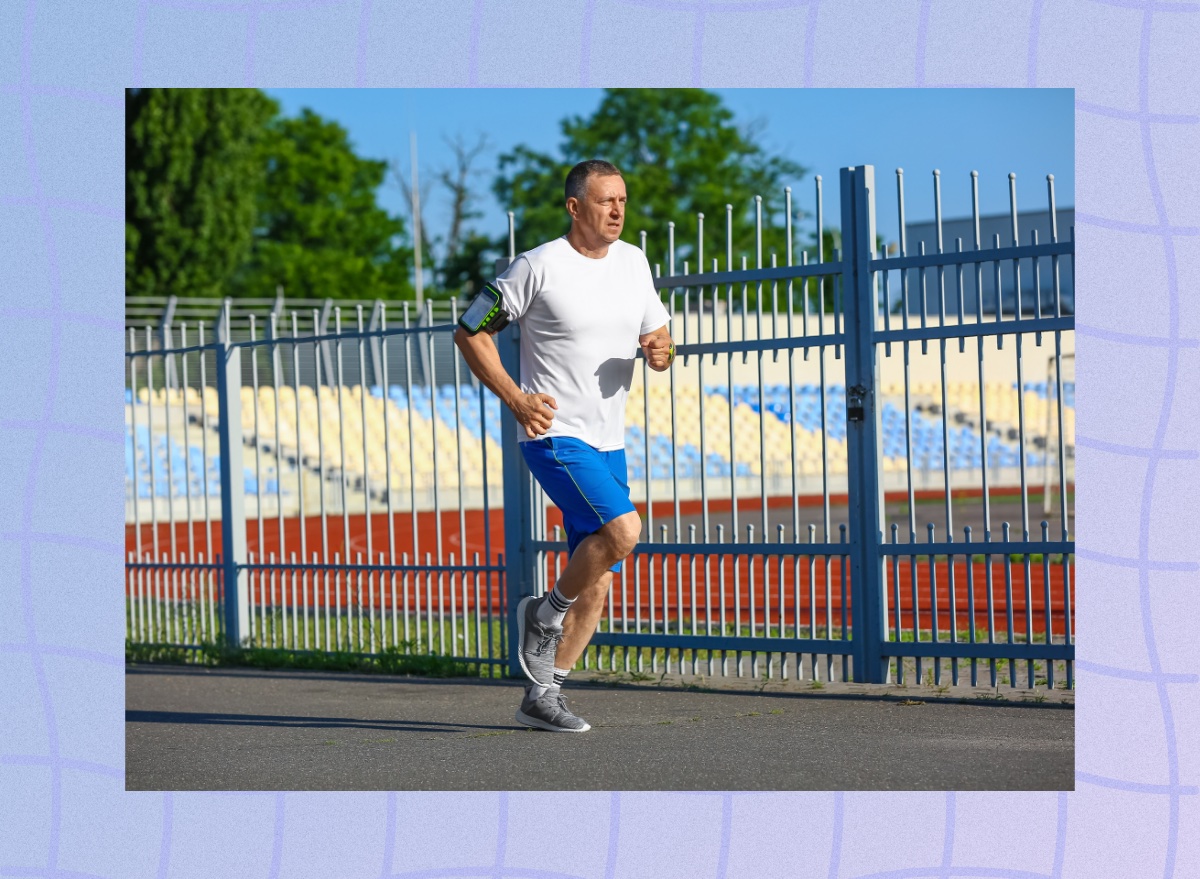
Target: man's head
<point>596,197</point>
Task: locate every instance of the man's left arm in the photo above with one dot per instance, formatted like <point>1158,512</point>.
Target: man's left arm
<point>658,348</point>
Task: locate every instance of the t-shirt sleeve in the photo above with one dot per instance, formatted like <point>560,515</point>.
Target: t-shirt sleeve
<point>655,314</point>
<point>517,285</point>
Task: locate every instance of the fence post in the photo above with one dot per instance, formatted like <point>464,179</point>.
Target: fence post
<point>863,418</point>
<point>518,496</point>
<point>233,508</point>
<point>165,341</point>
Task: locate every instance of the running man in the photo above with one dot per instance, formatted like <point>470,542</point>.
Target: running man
<point>585,302</point>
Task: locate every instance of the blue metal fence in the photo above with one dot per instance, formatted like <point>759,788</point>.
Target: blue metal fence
<point>342,516</point>
<point>852,601</point>
<point>821,405</point>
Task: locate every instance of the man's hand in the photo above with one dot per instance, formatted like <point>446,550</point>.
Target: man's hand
<point>659,350</point>
<point>532,412</point>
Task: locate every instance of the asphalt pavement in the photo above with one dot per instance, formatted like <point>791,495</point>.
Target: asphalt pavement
<point>190,728</point>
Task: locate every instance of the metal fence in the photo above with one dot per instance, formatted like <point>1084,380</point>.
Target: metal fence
<point>785,468</point>
<point>754,581</point>
<point>328,518</point>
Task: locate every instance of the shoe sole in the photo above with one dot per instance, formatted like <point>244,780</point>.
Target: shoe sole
<point>521,637</point>
<point>524,718</point>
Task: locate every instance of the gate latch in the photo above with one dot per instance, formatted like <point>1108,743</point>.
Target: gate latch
<point>855,399</point>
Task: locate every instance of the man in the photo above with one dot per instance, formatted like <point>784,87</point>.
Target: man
<point>586,302</point>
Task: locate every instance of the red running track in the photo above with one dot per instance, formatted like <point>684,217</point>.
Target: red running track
<point>814,581</point>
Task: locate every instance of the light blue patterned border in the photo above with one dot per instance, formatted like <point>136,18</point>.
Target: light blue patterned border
<point>62,68</point>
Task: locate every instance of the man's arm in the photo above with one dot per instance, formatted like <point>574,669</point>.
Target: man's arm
<point>658,348</point>
<point>532,411</point>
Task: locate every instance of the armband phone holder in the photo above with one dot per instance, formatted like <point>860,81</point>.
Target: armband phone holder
<point>485,312</point>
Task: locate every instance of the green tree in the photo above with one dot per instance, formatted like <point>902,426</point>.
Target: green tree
<point>192,170</point>
<point>680,153</point>
<point>472,264</point>
<point>320,232</point>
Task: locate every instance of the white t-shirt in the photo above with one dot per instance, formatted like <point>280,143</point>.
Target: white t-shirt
<point>580,321</point>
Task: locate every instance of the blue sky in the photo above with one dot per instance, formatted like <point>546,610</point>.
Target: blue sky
<point>1030,132</point>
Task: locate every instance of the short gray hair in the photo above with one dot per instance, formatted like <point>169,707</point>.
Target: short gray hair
<point>577,177</point>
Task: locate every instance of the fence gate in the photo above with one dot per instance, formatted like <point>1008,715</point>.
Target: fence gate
<point>761,462</point>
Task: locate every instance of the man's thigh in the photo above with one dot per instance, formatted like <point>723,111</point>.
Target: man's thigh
<point>588,486</point>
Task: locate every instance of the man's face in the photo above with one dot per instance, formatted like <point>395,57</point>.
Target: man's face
<point>601,213</point>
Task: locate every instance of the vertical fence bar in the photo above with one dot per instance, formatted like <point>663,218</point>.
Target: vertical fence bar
<point>208,542</point>
<point>233,505</point>
<point>140,630</point>
<point>363,394</point>
<point>946,479</point>
<point>899,621</point>
<point>908,428</point>
<point>458,451</point>
<point>410,577</point>
<point>983,449</point>
<point>260,576</point>
<point>518,497</point>
<point>971,602</point>
<point>437,503</point>
<point>863,423</point>
<point>304,641</point>
<point>172,574</point>
<point>385,390</point>
<point>156,608</point>
<point>187,477</point>
<point>344,477</point>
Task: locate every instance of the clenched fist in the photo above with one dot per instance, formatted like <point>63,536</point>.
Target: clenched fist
<point>659,351</point>
<point>532,412</point>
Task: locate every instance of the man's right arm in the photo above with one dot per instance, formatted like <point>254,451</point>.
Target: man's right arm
<point>532,411</point>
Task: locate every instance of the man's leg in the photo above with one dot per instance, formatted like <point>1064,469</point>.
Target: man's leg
<point>587,488</point>
<point>581,620</point>
<point>586,580</point>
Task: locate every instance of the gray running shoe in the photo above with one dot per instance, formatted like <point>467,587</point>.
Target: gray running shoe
<point>538,642</point>
<point>550,712</point>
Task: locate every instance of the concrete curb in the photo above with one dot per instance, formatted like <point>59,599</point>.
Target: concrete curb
<point>914,694</point>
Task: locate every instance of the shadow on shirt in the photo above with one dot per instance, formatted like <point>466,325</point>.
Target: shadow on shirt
<point>615,374</point>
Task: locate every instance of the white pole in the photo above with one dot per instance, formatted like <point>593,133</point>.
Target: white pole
<point>416,209</point>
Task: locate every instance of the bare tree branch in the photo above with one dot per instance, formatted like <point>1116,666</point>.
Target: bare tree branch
<point>457,180</point>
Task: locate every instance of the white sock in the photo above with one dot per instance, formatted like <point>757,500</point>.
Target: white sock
<point>536,690</point>
<point>560,676</point>
<point>554,608</point>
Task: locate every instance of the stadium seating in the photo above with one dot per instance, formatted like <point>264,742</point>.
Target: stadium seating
<point>418,438</point>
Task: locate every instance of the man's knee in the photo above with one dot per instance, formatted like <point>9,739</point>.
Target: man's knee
<point>622,533</point>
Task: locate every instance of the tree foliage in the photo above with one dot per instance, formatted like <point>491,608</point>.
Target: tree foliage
<point>680,154</point>
<point>193,166</point>
<point>320,232</point>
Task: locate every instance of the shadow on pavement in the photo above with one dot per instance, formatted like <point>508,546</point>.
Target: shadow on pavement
<point>307,675</point>
<point>291,722</point>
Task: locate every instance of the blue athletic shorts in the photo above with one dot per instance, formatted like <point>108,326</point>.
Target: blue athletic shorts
<point>590,487</point>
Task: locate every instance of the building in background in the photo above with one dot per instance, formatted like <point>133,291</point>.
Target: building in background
<point>990,227</point>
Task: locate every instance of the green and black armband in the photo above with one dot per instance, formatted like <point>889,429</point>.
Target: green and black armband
<point>485,312</point>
